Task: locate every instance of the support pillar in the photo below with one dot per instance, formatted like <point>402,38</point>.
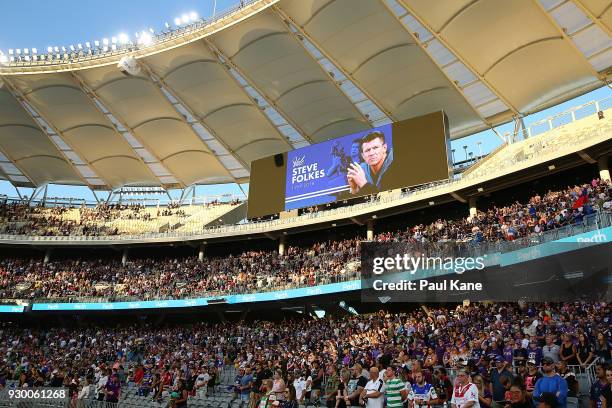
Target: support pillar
<point>370,230</point>
<point>47,255</point>
<point>604,169</point>
<point>201,253</point>
<point>281,244</point>
<point>124,256</point>
<point>473,209</point>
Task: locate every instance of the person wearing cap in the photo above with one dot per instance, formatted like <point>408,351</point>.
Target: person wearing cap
<point>532,376</point>
<point>550,382</point>
<point>377,173</point>
<point>498,373</point>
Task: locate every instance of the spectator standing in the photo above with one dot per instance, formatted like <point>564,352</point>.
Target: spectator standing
<point>373,394</point>
<point>498,373</point>
<point>551,382</point>
<point>465,394</point>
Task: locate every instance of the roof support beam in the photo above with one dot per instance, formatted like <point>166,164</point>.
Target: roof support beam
<point>443,69</point>
<point>595,19</point>
<point>300,35</point>
<point>37,118</point>
<point>97,102</point>
<point>19,169</point>
<point>168,92</point>
<point>457,55</point>
<point>227,61</point>
<point>566,38</point>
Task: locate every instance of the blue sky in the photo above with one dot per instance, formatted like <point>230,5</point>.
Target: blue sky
<point>42,23</point>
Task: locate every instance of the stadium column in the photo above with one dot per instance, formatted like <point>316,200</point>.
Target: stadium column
<point>473,208</point>
<point>281,244</point>
<point>604,170</point>
<point>124,256</point>
<point>201,252</point>
<point>370,231</point>
<point>47,255</point>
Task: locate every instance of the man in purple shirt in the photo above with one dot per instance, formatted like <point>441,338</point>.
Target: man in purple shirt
<point>534,352</point>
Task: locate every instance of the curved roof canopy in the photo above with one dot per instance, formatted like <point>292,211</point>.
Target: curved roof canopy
<point>276,75</point>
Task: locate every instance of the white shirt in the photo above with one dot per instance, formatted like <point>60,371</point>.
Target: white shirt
<point>202,379</point>
<point>84,393</point>
<point>300,385</point>
<point>372,386</point>
<point>464,394</point>
<point>101,383</point>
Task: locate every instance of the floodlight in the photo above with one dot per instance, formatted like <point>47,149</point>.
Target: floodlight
<point>3,60</point>
<point>105,41</point>
<point>72,48</point>
<point>49,49</point>
<point>177,21</point>
<point>145,38</point>
<point>114,40</point>
<point>185,18</point>
<point>26,51</point>
<point>152,31</point>
<point>193,16</point>
<point>63,49</point>
<point>10,51</point>
<point>56,49</point>
<point>34,50</point>
<point>167,25</point>
<point>123,38</point>
<point>18,51</point>
<point>88,44</point>
<point>80,46</point>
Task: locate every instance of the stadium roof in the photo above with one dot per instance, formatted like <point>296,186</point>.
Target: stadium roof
<point>205,100</point>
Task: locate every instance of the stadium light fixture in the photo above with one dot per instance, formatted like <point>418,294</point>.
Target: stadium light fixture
<point>56,49</point>
<point>34,50</point>
<point>114,40</point>
<point>72,48</point>
<point>123,38</point>
<point>49,49</point>
<point>11,52</point>
<point>193,16</point>
<point>167,25</point>
<point>80,46</point>
<point>177,21</point>
<point>26,51</point>
<point>145,38</point>
<point>18,51</point>
<point>185,18</point>
<point>151,30</point>
<point>3,60</point>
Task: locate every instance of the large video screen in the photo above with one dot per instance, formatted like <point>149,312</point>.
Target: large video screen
<point>397,155</point>
<point>352,165</point>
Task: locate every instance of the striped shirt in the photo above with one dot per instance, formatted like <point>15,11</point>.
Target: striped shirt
<point>394,387</point>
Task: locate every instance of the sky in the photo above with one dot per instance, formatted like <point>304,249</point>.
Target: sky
<point>43,23</point>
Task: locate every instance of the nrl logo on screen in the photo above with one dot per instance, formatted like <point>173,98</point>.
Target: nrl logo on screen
<point>299,161</point>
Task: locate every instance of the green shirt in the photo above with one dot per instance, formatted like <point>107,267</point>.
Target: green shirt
<point>394,387</point>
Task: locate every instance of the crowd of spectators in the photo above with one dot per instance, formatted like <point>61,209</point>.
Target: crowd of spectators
<point>500,348</point>
<point>256,271</point>
<point>21,218</point>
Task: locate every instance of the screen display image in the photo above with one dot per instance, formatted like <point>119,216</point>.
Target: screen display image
<point>397,155</point>
<point>353,165</point>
